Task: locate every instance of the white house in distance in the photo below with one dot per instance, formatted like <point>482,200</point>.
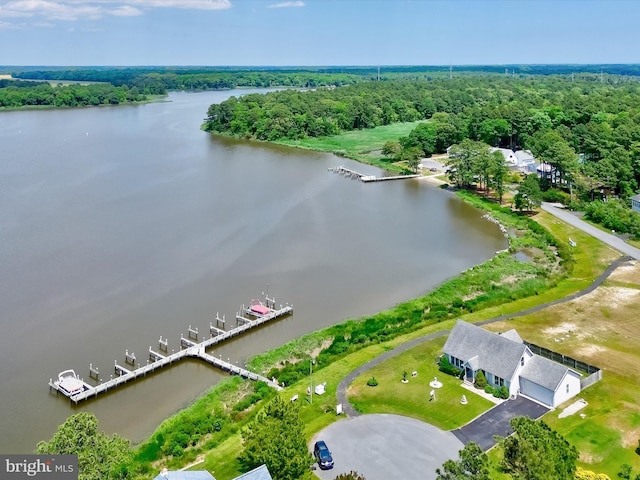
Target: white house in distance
<point>522,160</point>
<point>506,360</point>
<point>635,203</point>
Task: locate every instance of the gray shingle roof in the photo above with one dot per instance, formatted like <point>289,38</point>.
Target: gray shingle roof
<point>186,475</point>
<point>259,473</point>
<point>497,354</point>
<point>544,372</point>
<point>512,335</point>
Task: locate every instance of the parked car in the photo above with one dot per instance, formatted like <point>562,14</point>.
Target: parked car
<point>323,455</point>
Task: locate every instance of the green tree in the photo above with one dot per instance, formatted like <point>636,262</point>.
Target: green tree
<point>462,162</point>
<point>529,194</point>
<point>473,464</point>
<point>276,438</point>
<point>422,137</point>
<point>99,456</point>
<point>411,156</point>
<point>391,149</point>
<point>498,172</point>
<point>536,452</point>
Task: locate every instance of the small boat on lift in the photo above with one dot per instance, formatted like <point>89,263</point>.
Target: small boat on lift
<point>70,383</point>
<point>257,308</point>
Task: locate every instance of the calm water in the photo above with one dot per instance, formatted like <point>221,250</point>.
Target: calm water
<point>118,225</point>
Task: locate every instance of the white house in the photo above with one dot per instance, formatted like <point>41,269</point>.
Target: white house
<point>508,154</point>
<point>635,203</point>
<point>506,360</point>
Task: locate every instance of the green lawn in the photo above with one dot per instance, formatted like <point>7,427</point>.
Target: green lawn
<point>412,399</point>
<point>362,145</point>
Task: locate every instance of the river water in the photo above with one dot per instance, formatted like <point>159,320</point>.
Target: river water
<point>119,225</point>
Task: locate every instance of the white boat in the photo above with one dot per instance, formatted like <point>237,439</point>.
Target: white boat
<point>70,383</point>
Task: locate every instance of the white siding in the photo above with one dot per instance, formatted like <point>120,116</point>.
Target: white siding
<point>570,382</point>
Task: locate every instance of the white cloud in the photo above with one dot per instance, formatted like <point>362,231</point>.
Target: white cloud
<point>296,3</point>
<point>71,10</point>
<point>126,11</point>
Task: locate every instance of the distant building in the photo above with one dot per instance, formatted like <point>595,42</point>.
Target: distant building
<point>526,160</point>
<point>259,473</point>
<point>509,157</point>
<point>635,203</point>
<point>184,475</point>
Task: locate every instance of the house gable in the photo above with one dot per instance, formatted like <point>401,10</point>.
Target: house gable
<point>496,354</point>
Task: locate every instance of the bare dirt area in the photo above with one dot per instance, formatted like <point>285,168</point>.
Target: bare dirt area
<point>601,328</point>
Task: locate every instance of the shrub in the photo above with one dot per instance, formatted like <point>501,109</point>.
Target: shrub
<point>488,389</point>
<point>625,471</point>
<point>503,392</point>
<point>556,196</point>
<point>481,380</point>
<point>372,382</point>
<point>446,367</point>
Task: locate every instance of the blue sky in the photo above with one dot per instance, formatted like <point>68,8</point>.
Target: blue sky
<point>317,32</point>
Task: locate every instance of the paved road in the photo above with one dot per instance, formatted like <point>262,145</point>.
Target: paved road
<point>382,447</point>
<point>609,239</point>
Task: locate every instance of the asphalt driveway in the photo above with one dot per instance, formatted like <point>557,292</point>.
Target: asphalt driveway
<point>385,446</point>
<point>496,421</point>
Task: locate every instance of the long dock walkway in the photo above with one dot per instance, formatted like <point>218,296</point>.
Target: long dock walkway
<point>367,178</point>
<point>190,349</point>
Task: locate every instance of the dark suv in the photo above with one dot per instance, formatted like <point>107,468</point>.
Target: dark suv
<point>323,455</point>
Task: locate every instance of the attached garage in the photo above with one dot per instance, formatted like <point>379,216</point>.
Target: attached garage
<point>548,382</point>
<point>536,392</point>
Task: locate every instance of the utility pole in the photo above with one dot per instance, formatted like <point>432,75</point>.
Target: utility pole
<point>450,72</point>
<point>311,379</point>
<point>378,72</point>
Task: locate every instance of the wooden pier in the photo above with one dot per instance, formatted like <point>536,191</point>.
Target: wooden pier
<point>367,178</point>
<point>190,349</point>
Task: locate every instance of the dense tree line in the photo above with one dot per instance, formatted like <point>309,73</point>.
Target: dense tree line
<point>157,81</point>
<point>21,94</point>
<point>586,132</point>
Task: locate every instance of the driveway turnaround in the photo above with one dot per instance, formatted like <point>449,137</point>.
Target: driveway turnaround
<point>381,447</point>
<point>496,421</point>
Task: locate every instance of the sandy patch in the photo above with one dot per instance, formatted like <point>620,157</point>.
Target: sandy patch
<point>611,297</point>
<point>561,329</point>
<point>628,273</point>
<point>325,344</point>
<point>435,179</point>
<point>590,458</point>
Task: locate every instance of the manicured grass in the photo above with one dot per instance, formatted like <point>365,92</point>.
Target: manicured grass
<point>412,399</point>
<point>362,145</point>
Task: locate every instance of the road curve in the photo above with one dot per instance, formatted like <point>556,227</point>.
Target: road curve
<point>609,239</point>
